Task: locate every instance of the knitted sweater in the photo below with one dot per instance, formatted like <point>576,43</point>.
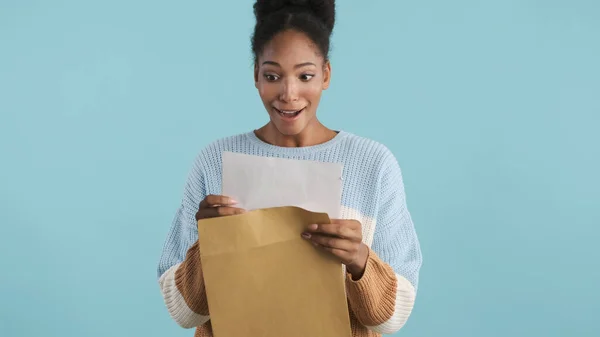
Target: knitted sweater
<point>380,302</point>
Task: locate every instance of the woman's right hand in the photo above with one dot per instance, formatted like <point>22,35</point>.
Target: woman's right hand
<point>217,205</point>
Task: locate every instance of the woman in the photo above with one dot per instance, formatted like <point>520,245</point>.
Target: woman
<point>375,239</point>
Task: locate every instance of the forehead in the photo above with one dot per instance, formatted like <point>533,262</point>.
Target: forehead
<point>289,48</point>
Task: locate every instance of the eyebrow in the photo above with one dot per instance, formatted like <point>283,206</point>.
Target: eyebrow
<point>295,67</point>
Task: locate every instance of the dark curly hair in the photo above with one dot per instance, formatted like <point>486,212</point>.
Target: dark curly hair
<point>315,18</point>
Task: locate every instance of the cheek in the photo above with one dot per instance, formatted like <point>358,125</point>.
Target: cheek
<point>312,93</point>
<point>267,92</point>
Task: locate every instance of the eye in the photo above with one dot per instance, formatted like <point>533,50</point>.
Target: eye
<point>306,77</point>
<point>271,77</point>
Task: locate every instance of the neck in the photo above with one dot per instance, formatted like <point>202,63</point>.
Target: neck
<point>311,135</point>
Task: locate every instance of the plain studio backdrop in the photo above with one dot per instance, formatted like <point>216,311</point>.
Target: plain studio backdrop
<point>491,107</point>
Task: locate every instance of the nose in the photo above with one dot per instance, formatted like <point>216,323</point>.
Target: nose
<point>289,91</point>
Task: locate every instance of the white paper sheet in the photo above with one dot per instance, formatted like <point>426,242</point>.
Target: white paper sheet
<point>263,182</point>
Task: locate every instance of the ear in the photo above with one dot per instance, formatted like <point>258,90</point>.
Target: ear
<point>256,75</point>
<point>326,75</point>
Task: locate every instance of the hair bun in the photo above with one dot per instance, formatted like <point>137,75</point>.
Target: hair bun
<point>324,10</point>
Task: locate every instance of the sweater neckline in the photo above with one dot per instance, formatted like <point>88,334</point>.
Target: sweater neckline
<point>291,151</point>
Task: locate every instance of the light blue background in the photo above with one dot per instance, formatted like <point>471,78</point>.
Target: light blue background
<point>492,108</point>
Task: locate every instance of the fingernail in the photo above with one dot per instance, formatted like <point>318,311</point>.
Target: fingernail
<point>233,201</point>
<point>306,235</point>
<point>313,227</point>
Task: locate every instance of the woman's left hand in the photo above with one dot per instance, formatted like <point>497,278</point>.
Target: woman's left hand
<point>343,239</point>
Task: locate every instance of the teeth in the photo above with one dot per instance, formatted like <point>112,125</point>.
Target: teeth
<point>289,112</point>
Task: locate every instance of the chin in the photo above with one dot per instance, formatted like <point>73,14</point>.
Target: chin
<point>289,130</point>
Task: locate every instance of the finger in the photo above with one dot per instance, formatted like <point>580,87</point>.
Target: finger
<point>213,212</point>
<point>337,230</point>
<point>354,224</point>
<point>217,200</point>
<point>342,255</point>
<point>333,242</point>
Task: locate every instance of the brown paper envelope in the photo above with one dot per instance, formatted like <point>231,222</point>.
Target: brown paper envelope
<point>263,280</point>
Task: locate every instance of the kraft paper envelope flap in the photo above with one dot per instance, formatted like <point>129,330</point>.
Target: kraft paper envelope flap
<point>263,279</point>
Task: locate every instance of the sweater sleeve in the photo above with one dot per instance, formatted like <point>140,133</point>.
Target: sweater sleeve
<point>179,269</point>
<point>383,298</point>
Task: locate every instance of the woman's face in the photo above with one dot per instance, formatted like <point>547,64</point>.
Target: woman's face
<point>290,75</point>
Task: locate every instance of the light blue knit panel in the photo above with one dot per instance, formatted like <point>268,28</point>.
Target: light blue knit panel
<point>372,185</point>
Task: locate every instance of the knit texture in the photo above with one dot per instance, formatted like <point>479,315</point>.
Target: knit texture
<point>373,193</point>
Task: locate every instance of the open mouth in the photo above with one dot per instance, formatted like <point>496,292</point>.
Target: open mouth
<point>289,113</point>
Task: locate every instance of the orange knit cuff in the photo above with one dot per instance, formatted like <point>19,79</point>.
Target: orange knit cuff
<point>190,281</point>
<point>373,297</point>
